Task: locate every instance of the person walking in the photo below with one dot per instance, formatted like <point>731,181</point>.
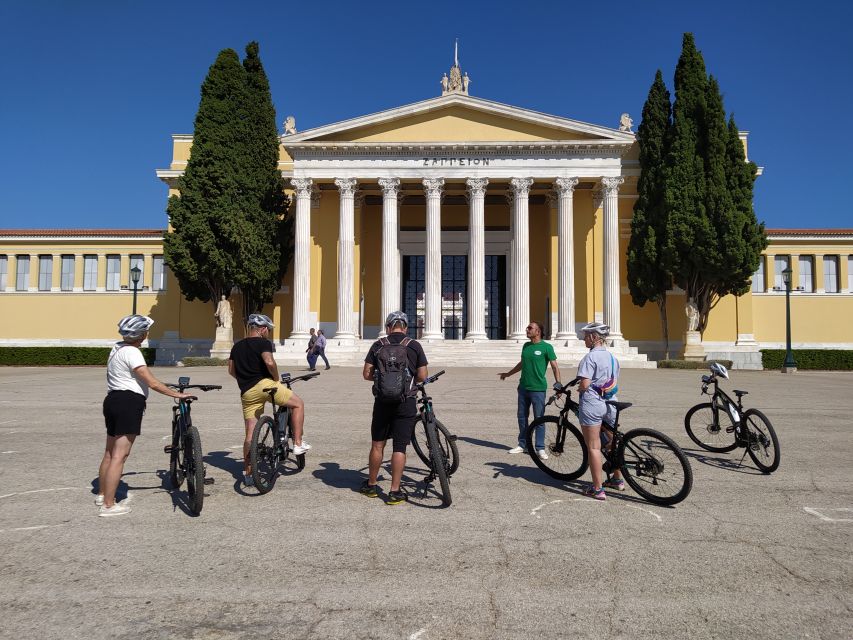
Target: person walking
<point>128,382</point>
<point>393,364</point>
<point>535,356</point>
<point>320,348</point>
<point>312,356</point>
<point>251,364</point>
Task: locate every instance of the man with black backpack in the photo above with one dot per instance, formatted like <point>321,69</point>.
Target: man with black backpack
<point>394,363</point>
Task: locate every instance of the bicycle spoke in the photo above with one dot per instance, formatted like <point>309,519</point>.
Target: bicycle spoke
<point>655,467</point>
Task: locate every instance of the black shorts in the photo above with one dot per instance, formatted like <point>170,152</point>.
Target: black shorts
<point>396,421</point>
<point>123,413</point>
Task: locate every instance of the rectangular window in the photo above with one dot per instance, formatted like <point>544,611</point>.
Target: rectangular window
<point>780,263</point>
<point>45,272</point>
<point>758,277</point>
<point>67,281</point>
<point>806,273</point>
<point>830,274</point>
<point>90,273</point>
<point>113,272</point>
<point>22,273</point>
<point>4,272</point>
<point>136,261</point>
<point>159,279</point>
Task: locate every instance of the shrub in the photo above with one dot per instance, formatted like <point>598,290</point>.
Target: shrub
<point>815,359</point>
<point>691,364</point>
<point>204,362</point>
<point>53,356</point>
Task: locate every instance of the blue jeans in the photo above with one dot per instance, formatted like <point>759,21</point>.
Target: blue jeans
<point>525,400</point>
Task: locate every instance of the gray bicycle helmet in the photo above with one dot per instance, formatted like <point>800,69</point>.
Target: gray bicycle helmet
<point>134,326</point>
<point>397,317</point>
<point>260,320</point>
<point>719,370</point>
<point>597,327</point>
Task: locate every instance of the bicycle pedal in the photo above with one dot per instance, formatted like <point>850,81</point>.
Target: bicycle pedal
<point>168,448</point>
<point>209,480</point>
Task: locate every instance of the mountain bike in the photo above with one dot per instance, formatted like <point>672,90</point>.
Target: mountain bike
<point>652,463</point>
<point>436,446</point>
<point>722,425</point>
<point>272,441</point>
<point>185,454</point>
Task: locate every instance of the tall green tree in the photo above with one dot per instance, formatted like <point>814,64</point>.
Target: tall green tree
<point>648,278</point>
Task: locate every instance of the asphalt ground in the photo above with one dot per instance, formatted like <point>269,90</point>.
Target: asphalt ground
<point>517,555</point>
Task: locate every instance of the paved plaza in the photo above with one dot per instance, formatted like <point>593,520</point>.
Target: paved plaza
<point>517,555</point>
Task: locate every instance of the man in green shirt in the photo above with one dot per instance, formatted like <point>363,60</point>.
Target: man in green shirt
<point>535,356</point>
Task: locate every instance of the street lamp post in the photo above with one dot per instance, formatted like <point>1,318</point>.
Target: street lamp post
<point>135,274</point>
<point>789,366</point>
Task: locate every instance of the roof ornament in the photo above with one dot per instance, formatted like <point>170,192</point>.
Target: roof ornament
<point>457,82</point>
<point>289,125</point>
<point>625,123</point>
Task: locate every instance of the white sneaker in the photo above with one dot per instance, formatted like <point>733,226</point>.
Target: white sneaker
<point>248,480</point>
<point>299,449</point>
<point>517,450</point>
<point>118,509</point>
<point>99,500</point>
<point>542,454</point>
<point>127,498</point>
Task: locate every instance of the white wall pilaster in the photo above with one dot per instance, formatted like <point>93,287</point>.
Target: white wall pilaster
<point>432,261</point>
<point>390,250</point>
<point>612,289</point>
<point>302,257</point>
<point>520,292</point>
<point>476,259</point>
<point>346,249</point>
<point>565,188</point>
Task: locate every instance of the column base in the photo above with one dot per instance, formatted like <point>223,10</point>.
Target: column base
<point>224,340</point>
<point>566,335</point>
<point>518,336</point>
<point>432,337</point>
<point>477,336</point>
<point>299,335</point>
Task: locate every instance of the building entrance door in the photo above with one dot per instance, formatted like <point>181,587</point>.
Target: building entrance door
<point>496,297</point>
<point>454,297</point>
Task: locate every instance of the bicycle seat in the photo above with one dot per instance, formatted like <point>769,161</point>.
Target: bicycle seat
<point>739,393</point>
<point>620,406</point>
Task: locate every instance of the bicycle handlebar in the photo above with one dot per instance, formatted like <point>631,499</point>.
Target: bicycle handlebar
<point>203,387</point>
<point>285,377</point>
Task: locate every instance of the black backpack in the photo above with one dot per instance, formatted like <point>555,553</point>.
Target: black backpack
<point>392,379</point>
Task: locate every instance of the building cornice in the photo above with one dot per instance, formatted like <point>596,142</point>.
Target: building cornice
<point>81,234</point>
<point>594,148</point>
<point>808,234</point>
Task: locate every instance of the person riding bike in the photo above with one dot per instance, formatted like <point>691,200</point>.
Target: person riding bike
<point>598,371</point>
<point>252,365</point>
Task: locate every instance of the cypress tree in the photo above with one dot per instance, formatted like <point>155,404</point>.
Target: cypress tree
<point>648,279</point>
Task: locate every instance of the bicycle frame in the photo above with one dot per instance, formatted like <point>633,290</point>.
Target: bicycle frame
<point>733,408</point>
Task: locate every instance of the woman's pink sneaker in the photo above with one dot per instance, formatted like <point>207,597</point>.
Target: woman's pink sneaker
<point>595,494</point>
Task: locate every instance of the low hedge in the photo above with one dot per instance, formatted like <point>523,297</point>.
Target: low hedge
<point>816,359</point>
<point>204,362</point>
<point>52,356</point>
<point>691,364</point>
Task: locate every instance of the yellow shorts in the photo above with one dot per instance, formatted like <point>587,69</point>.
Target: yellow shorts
<point>255,398</point>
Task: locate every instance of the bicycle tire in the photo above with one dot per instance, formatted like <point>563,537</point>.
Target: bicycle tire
<point>263,456</point>
<point>176,459</point>
<point>568,457</point>
<point>765,439</point>
<point>440,463</point>
<point>641,456</point>
<point>195,469</point>
<point>710,433</point>
<point>445,439</point>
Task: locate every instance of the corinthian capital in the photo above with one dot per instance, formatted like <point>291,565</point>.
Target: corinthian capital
<point>347,186</point>
<point>433,186</point>
<point>303,186</point>
<point>521,186</point>
<point>477,186</point>
<point>611,185</point>
<point>390,186</point>
<point>565,185</point>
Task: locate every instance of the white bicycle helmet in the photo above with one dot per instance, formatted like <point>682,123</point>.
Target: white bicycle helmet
<point>597,327</point>
<point>719,370</point>
<point>397,317</point>
<point>260,320</point>
<point>134,326</point>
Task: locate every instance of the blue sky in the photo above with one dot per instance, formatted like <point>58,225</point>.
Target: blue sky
<point>91,91</point>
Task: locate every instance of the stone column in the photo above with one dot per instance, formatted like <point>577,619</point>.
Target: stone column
<point>346,247</point>
<point>565,188</point>
<point>612,287</point>
<point>301,257</point>
<point>520,303</point>
<point>432,261</point>
<point>390,249</point>
<point>476,259</point>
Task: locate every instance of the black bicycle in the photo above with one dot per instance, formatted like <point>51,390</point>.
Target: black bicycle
<point>652,463</point>
<point>272,441</point>
<point>185,454</point>
<point>722,425</point>
<point>435,445</point>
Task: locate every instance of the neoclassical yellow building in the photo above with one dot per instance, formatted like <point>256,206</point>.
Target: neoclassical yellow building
<point>472,216</point>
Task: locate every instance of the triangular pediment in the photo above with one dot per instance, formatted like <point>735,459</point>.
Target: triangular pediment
<point>458,119</point>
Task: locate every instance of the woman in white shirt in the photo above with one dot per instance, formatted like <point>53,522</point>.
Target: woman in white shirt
<point>128,381</point>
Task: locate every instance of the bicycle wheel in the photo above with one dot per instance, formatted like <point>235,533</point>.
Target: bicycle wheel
<point>714,434</point>
<point>195,469</point>
<point>263,456</point>
<point>763,445</point>
<point>564,446</point>
<point>446,441</point>
<point>176,459</point>
<point>440,464</point>
<point>655,466</point>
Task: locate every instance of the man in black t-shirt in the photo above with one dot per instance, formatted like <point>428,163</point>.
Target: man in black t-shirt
<point>252,365</point>
<point>396,421</point>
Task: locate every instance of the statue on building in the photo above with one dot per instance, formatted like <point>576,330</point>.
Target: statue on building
<point>289,125</point>
<point>692,313</point>
<point>223,313</point>
<point>444,83</point>
<point>625,123</point>
<point>456,83</point>
<point>465,81</point>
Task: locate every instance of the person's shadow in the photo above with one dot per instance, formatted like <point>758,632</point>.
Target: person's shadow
<point>333,475</point>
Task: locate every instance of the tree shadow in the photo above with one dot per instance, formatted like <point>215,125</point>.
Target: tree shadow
<point>727,464</point>
<point>484,443</point>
